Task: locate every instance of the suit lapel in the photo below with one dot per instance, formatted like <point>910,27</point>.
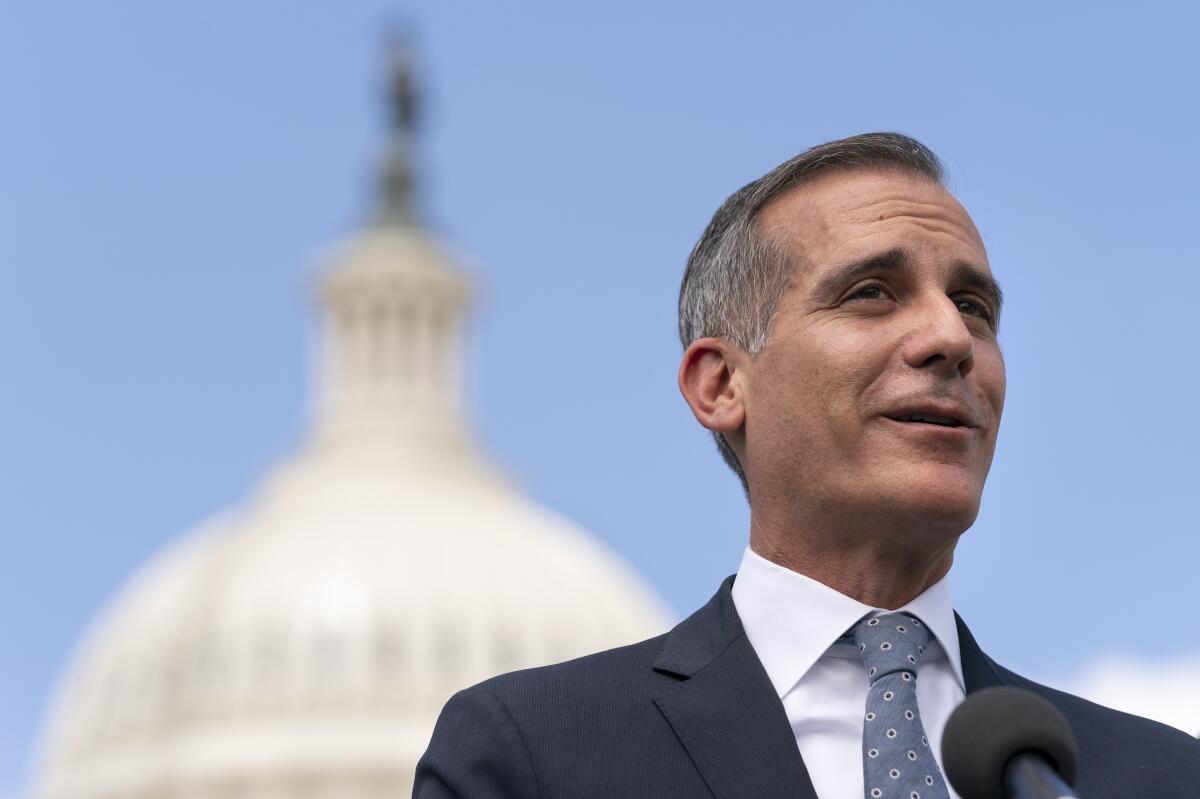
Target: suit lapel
<point>725,711</point>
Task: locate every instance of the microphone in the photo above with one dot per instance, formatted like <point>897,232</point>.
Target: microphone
<point>1009,743</point>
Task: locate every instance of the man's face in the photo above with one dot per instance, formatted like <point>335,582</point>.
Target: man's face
<point>880,388</point>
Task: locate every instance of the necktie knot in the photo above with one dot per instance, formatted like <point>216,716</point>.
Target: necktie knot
<point>890,644</point>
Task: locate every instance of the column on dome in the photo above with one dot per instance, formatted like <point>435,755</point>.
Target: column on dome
<point>390,349</point>
<point>423,350</point>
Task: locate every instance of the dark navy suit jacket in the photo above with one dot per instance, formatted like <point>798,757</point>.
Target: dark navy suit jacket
<point>693,714</point>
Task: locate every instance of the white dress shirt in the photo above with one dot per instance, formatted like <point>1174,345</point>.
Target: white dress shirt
<point>792,622</point>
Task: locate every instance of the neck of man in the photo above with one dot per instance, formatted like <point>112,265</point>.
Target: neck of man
<point>883,563</point>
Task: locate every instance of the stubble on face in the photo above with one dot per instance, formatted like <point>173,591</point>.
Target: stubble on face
<point>891,306</point>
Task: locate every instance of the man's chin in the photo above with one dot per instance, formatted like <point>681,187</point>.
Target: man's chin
<point>954,517</point>
<point>941,498</point>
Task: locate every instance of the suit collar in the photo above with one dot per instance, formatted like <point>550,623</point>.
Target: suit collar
<point>700,638</point>
<point>725,710</point>
<point>979,671</point>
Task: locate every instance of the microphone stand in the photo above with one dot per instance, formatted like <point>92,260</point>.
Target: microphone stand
<point>1029,776</point>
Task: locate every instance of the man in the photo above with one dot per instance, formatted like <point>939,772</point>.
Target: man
<point>839,321</point>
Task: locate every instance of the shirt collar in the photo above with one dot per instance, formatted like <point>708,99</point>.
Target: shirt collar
<point>792,620</point>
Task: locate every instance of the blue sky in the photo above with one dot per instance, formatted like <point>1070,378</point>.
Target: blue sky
<point>171,173</point>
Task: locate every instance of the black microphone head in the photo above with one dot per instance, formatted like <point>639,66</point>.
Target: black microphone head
<point>993,726</point>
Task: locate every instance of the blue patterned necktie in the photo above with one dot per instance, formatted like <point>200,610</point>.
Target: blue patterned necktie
<point>897,760</point>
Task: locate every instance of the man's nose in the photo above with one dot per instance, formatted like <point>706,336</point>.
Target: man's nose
<point>940,339</point>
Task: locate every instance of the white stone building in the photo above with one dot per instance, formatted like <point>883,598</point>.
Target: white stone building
<point>301,645</point>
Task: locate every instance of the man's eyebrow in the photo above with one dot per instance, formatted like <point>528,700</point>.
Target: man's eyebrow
<point>891,261</point>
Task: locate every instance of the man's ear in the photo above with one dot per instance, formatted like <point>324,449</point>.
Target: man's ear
<point>712,379</point>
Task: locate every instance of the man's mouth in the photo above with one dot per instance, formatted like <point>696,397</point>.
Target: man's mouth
<point>928,418</point>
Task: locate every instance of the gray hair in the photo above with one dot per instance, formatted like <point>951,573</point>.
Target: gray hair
<point>735,277</point>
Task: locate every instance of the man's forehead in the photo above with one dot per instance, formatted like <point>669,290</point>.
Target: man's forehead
<point>840,208</point>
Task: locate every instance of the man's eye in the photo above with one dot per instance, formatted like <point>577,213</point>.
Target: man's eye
<point>868,293</point>
<point>974,309</point>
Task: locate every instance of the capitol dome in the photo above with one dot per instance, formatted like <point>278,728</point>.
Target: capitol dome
<point>303,643</point>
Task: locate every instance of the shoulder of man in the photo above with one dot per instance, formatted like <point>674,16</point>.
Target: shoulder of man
<point>1114,745</point>
<point>608,680</point>
<point>518,733</point>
